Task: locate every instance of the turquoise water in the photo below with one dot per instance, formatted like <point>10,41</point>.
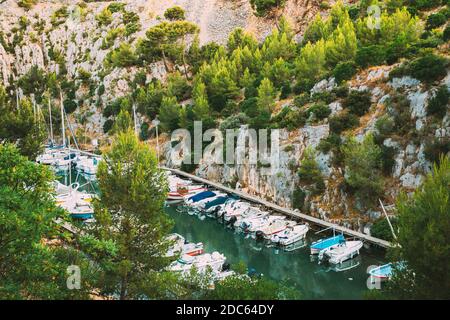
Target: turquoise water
<point>297,268</point>
<point>314,281</point>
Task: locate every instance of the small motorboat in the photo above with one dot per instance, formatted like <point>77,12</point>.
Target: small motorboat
<point>181,246</point>
<point>384,272</point>
<point>341,252</point>
<point>183,191</point>
<point>200,197</point>
<point>322,244</point>
<point>275,227</point>
<point>290,235</point>
<point>185,263</point>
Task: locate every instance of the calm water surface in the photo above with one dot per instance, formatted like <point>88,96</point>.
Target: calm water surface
<point>314,281</point>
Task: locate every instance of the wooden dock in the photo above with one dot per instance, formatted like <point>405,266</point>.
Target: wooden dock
<point>291,213</point>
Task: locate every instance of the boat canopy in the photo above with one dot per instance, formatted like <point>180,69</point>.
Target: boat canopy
<point>328,242</point>
<point>216,202</point>
<point>202,195</point>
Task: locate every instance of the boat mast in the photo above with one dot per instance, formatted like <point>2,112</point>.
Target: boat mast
<point>62,120</point>
<point>387,218</point>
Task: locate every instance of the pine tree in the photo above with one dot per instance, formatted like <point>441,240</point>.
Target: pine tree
<point>342,45</point>
<point>266,96</point>
<point>169,113</point>
<point>311,63</point>
<point>201,107</point>
<point>130,214</point>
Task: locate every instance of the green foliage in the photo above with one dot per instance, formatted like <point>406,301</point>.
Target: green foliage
<point>121,57</point>
<point>177,86</point>
<point>309,171</point>
<point>174,13</point>
<point>59,16</point>
<point>30,268</point>
<point>372,55</point>
<point>428,68</point>
<point>169,114</point>
<point>381,229</point>
<point>446,34</point>
<point>107,126</point>
<point>423,238</point>
<point>33,82</point>
<point>104,18</point>
<point>27,4</point>
<point>435,20</point>
<point>358,102</point>
<point>438,105</point>
<point>362,169</point>
<point>344,71</point>
<point>201,108</point>
<point>111,36</point>
<point>262,7</point>
<point>298,198</point>
<point>319,110</point>
<point>436,148</point>
<point>266,96</point>
<point>342,122</point>
<point>130,214</point>
<point>20,126</point>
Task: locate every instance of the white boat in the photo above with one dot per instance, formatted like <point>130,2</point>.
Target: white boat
<point>87,165</point>
<point>262,223</point>
<point>341,252</point>
<point>77,203</point>
<point>213,261</point>
<point>253,218</point>
<point>290,235</point>
<point>276,226</point>
<point>182,191</point>
<point>51,156</point>
<point>200,204</point>
<point>234,208</point>
<point>181,246</point>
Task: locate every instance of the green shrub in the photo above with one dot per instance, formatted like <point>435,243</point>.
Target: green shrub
<point>446,33</point>
<point>104,18</point>
<point>320,111</point>
<point>107,126</point>
<point>435,20</point>
<point>309,171</point>
<point>437,148</point>
<point>234,121</point>
<point>174,13</point>
<point>370,56</point>
<point>381,229</point>
<point>341,91</point>
<point>144,133</point>
<point>358,102</point>
<point>27,4</point>
<point>69,106</point>
<point>385,125</point>
<point>438,105</point>
<point>342,122</point>
<point>301,100</point>
<point>332,142</point>
<point>262,7</point>
<point>428,68</point>
<point>116,7</point>
<point>298,198</point>
<point>59,16</point>
<point>344,71</point>
<point>362,169</point>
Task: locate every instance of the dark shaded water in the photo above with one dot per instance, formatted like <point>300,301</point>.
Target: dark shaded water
<point>297,268</point>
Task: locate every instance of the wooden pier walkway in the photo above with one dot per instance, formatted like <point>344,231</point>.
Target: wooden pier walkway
<point>291,213</point>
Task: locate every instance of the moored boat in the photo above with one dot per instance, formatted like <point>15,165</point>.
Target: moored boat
<point>341,252</point>
<point>322,244</point>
